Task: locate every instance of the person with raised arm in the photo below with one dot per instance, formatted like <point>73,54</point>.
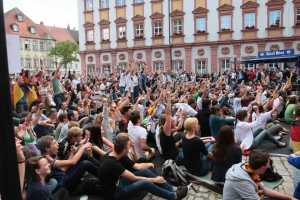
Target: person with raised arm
<point>57,87</point>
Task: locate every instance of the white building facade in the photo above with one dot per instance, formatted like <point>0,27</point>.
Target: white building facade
<point>193,35</point>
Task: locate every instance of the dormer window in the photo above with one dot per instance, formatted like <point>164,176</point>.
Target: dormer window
<point>20,18</point>
<point>32,30</point>
<point>15,28</point>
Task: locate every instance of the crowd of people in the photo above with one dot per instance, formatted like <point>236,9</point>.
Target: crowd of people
<point>111,126</point>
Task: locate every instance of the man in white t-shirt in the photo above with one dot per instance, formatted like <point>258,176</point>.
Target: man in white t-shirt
<point>139,135</point>
<point>75,80</point>
<point>104,87</point>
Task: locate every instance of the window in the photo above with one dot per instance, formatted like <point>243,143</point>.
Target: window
<point>90,36</point>
<point>28,62</point>
<point>104,4</point>
<point>20,18</point>
<point>34,45</point>
<point>106,69</point>
<point>21,62</point>
<point>275,18</point>
<point>122,67</point>
<point>89,5</point>
<point>200,25</point>
<point>122,32</point>
<point>249,66</point>
<point>138,1</point>
<point>158,66</point>
<point>41,45</point>
<point>121,3</point>
<point>15,28</point>
<point>32,30</point>
<point>105,34</point>
<point>225,65</point>
<point>201,66</point>
<point>91,69</point>
<point>298,15</point>
<point>178,66</point>
<point>26,45</point>
<point>139,67</point>
<point>98,71</point>
<point>226,22</point>
<point>49,46</point>
<point>249,20</point>
<point>76,65</point>
<point>139,30</point>
<point>177,27</point>
<point>50,63</point>
<point>273,67</point>
<point>157,29</point>
<point>34,63</point>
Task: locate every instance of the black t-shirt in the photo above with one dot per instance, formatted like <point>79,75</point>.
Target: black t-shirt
<point>125,161</point>
<point>167,143</point>
<point>64,148</point>
<point>191,151</point>
<point>203,120</point>
<point>109,173</point>
<point>37,191</point>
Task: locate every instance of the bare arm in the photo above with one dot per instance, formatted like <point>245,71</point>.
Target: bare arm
<point>167,125</point>
<point>57,70</point>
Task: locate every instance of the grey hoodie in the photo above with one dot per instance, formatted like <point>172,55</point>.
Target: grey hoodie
<point>239,185</point>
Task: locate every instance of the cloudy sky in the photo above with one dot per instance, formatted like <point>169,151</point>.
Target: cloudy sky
<point>58,12</point>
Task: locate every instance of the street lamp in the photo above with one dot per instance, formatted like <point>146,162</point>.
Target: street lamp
<point>233,60</point>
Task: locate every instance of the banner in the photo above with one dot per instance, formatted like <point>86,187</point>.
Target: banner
<point>13,53</point>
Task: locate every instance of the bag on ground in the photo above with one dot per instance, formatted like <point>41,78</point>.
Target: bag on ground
<point>173,174</point>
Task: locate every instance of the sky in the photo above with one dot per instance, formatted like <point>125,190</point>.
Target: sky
<point>58,12</point>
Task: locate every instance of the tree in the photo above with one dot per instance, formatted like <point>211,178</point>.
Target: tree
<point>65,50</point>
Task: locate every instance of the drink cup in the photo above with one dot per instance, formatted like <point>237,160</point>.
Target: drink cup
<point>89,152</point>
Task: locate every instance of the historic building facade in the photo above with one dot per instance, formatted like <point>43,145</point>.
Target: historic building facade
<point>36,40</point>
<point>193,35</point>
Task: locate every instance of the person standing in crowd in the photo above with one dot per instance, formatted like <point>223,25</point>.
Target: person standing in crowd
<point>57,87</point>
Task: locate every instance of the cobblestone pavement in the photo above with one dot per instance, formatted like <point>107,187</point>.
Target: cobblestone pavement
<point>281,166</point>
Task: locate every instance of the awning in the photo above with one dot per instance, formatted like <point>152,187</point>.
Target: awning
<point>273,59</point>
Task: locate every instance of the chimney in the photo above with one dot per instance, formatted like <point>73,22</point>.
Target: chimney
<point>42,23</point>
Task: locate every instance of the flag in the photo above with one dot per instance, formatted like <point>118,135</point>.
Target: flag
<point>31,95</point>
<point>26,75</point>
<point>149,110</point>
<point>17,94</point>
<point>295,136</point>
<point>266,76</point>
<point>38,76</point>
<point>144,64</point>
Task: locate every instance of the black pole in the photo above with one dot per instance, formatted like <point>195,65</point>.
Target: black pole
<point>9,174</point>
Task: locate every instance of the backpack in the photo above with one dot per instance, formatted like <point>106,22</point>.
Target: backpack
<point>91,186</point>
<point>270,175</point>
<point>173,174</point>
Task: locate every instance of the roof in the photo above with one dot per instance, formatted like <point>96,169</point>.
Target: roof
<point>271,59</point>
<point>59,34</point>
<point>10,18</point>
<point>75,35</point>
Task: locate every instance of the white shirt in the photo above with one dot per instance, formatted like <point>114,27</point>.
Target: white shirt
<point>75,82</point>
<point>264,117</point>
<point>152,121</point>
<point>157,139</point>
<point>237,104</point>
<point>243,132</point>
<point>129,83</point>
<point>189,110</point>
<point>61,111</point>
<point>64,131</point>
<point>102,88</point>
<point>122,80</point>
<point>199,103</point>
<point>136,133</point>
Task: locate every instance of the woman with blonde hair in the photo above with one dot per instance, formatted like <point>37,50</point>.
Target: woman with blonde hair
<point>197,155</point>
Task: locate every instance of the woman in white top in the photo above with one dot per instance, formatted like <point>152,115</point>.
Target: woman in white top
<point>244,134</point>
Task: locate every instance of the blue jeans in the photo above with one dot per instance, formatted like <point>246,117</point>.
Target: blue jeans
<point>180,158</point>
<point>135,92</point>
<point>127,188</point>
<point>51,185</point>
<point>74,174</point>
<point>259,134</point>
<point>58,99</point>
<point>113,96</point>
<point>122,89</point>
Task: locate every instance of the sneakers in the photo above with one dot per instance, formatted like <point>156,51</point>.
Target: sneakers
<point>181,192</point>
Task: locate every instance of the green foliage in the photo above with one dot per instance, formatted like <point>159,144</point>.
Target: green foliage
<point>65,50</point>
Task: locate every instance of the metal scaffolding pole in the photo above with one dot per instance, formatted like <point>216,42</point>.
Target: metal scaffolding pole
<point>9,174</point>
